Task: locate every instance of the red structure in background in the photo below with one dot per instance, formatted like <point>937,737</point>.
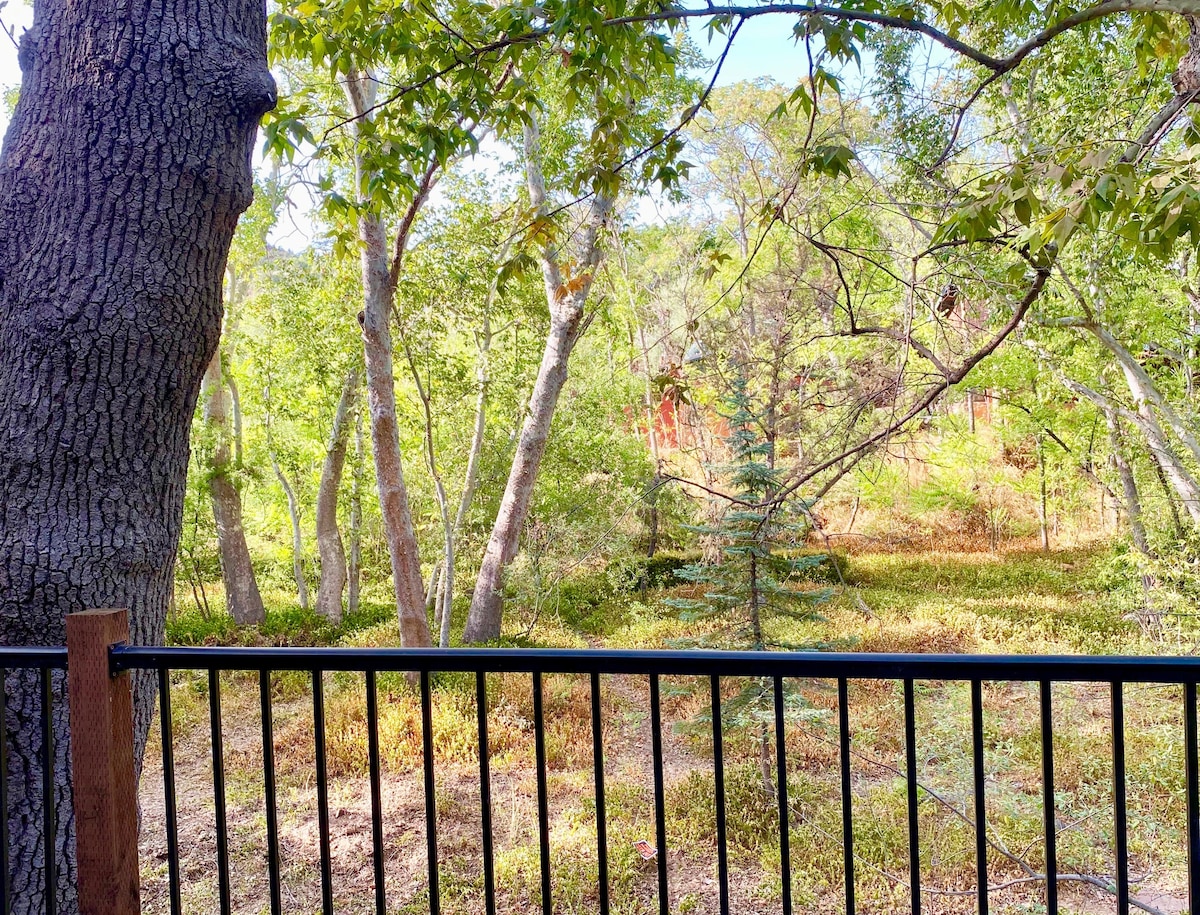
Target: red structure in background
<point>666,423</point>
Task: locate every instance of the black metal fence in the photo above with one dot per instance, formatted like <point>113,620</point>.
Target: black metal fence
<point>654,665</point>
<point>42,664</point>
<point>775,669</point>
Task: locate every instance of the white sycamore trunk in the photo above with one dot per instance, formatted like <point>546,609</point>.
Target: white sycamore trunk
<point>378,296</point>
<point>566,295</point>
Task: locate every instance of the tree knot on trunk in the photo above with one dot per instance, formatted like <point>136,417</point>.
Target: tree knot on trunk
<point>254,93</point>
<point>1186,78</point>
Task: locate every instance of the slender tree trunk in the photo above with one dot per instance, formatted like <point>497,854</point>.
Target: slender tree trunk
<point>378,297</point>
<point>1144,390</point>
<point>329,536</point>
<point>385,438</point>
<point>566,297</point>
<point>1169,496</point>
<point>651,434</point>
<point>431,591</point>
<point>114,230</point>
<point>355,571</point>
<point>446,595</point>
<point>1170,467</point>
<point>439,592</point>
<point>1168,463</point>
<point>483,622</point>
<point>483,380</point>
<point>242,598</point>
<point>1129,487</point>
<point>293,505</point>
<point>235,405</point>
<point>289,493</point>
<point>1042,500</point>
<point>1149,618</point>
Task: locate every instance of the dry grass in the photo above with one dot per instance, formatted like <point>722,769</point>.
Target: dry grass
<point>949,602</point>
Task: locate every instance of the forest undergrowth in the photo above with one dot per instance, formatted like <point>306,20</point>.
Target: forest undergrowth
<point>1020,601</point>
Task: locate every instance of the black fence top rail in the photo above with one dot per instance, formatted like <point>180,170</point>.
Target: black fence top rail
<point>965,667</point>
<point>35,657</point>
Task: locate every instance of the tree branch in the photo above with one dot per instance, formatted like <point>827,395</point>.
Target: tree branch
<point>951,378</point>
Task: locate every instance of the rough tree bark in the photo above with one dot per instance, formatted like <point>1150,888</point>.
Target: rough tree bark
<point>329,537</point>
<point>566,295</point>
<point>379,290</point>
<point>242,598</point>
<point>123,172</point>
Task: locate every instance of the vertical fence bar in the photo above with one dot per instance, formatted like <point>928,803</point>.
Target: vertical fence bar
<point>719,783</point>
<point>431,835</point>
<point>170,803</point>
<point>375,776</point>
<point>49,820</point>
<point>100,716</point>
<point>660,805</point>
<point>5,894</point>
<point>1120,824</point>
<point>1050,826</point>
<point>981,865</point>
<point>318,687</point>
<point>1193,795</point>
<point>785,820</point>
<point>847,797</point>
<point>218,764</point>
<point>485,794</point>
<point>543,805</point>
<point>601,825</point>
<point>914,832</point>
<point>270,799</point>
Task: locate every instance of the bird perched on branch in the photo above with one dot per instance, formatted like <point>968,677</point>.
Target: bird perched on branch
<point>948,301</point>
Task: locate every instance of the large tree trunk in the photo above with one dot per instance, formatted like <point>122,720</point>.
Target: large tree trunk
<point>566,300</point>
<point>378,297</point>
<point>329,537</point>
<point>242,598</point>
<point>125,167</point>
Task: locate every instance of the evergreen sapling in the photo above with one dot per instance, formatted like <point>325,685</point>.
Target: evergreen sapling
<point>748,591</point>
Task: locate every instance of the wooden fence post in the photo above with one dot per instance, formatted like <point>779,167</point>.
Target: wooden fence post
<point>102,772</point>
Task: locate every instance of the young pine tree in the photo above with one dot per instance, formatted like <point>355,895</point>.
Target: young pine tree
<point>746,593</point>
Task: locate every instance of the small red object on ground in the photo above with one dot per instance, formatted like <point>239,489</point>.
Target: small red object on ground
<point>645,849</point>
